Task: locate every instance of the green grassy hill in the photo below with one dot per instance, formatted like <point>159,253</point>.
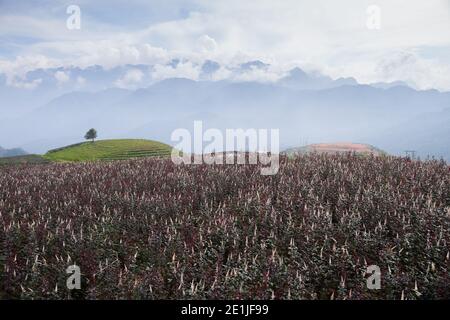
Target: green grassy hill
<point>109,150</point>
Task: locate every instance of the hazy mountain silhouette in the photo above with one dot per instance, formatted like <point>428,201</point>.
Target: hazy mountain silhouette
<point>303,106</point>
<point>11,152</point>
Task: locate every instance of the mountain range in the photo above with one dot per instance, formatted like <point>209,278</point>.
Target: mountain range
<point>4,153</point>
<point>306,107</point>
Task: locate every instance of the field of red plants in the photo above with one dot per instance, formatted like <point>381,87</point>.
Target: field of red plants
<point>149,229</point>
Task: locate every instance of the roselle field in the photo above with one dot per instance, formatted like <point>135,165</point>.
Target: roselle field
<point>149,229</point>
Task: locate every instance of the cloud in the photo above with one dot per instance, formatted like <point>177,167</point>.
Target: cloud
<point>327,35</point>
<point>222,73</point>
<point>22,64</point>
<point>81,81</point>
<point>61,77</point>
<point>408,66</point>
<point>182,70</point>
<point>131,78</point>
<point>207,44</point>
<point>16,70</point>
<point>23,84</point>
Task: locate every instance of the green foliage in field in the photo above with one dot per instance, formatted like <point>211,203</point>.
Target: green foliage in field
<point>110,150</point>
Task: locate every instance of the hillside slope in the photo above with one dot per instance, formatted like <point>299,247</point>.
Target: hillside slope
<point>427,134</point>
<point>109,150</point>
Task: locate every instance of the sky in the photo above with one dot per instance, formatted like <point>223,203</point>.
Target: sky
<point>372,41</point>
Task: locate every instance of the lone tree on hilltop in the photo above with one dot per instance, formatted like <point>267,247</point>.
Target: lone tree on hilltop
<point>91,134</point>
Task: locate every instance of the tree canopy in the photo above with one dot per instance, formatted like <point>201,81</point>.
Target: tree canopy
<point>91,134</point>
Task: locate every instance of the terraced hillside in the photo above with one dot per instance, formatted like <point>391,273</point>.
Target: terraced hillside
<point>110,150</point>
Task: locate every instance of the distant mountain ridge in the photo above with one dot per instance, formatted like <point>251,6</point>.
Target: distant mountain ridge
<point>303,106</point>
<point>299,79</point>
<point>4,153</point>
<point>40,86</point>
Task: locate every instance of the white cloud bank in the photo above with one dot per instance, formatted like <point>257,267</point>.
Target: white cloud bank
<point>130,79</point>
<point>330,36</point>
<point>61,77</point>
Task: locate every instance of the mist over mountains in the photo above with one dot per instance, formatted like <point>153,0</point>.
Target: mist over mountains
<point>130,102</point>
<point>4,153</point>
